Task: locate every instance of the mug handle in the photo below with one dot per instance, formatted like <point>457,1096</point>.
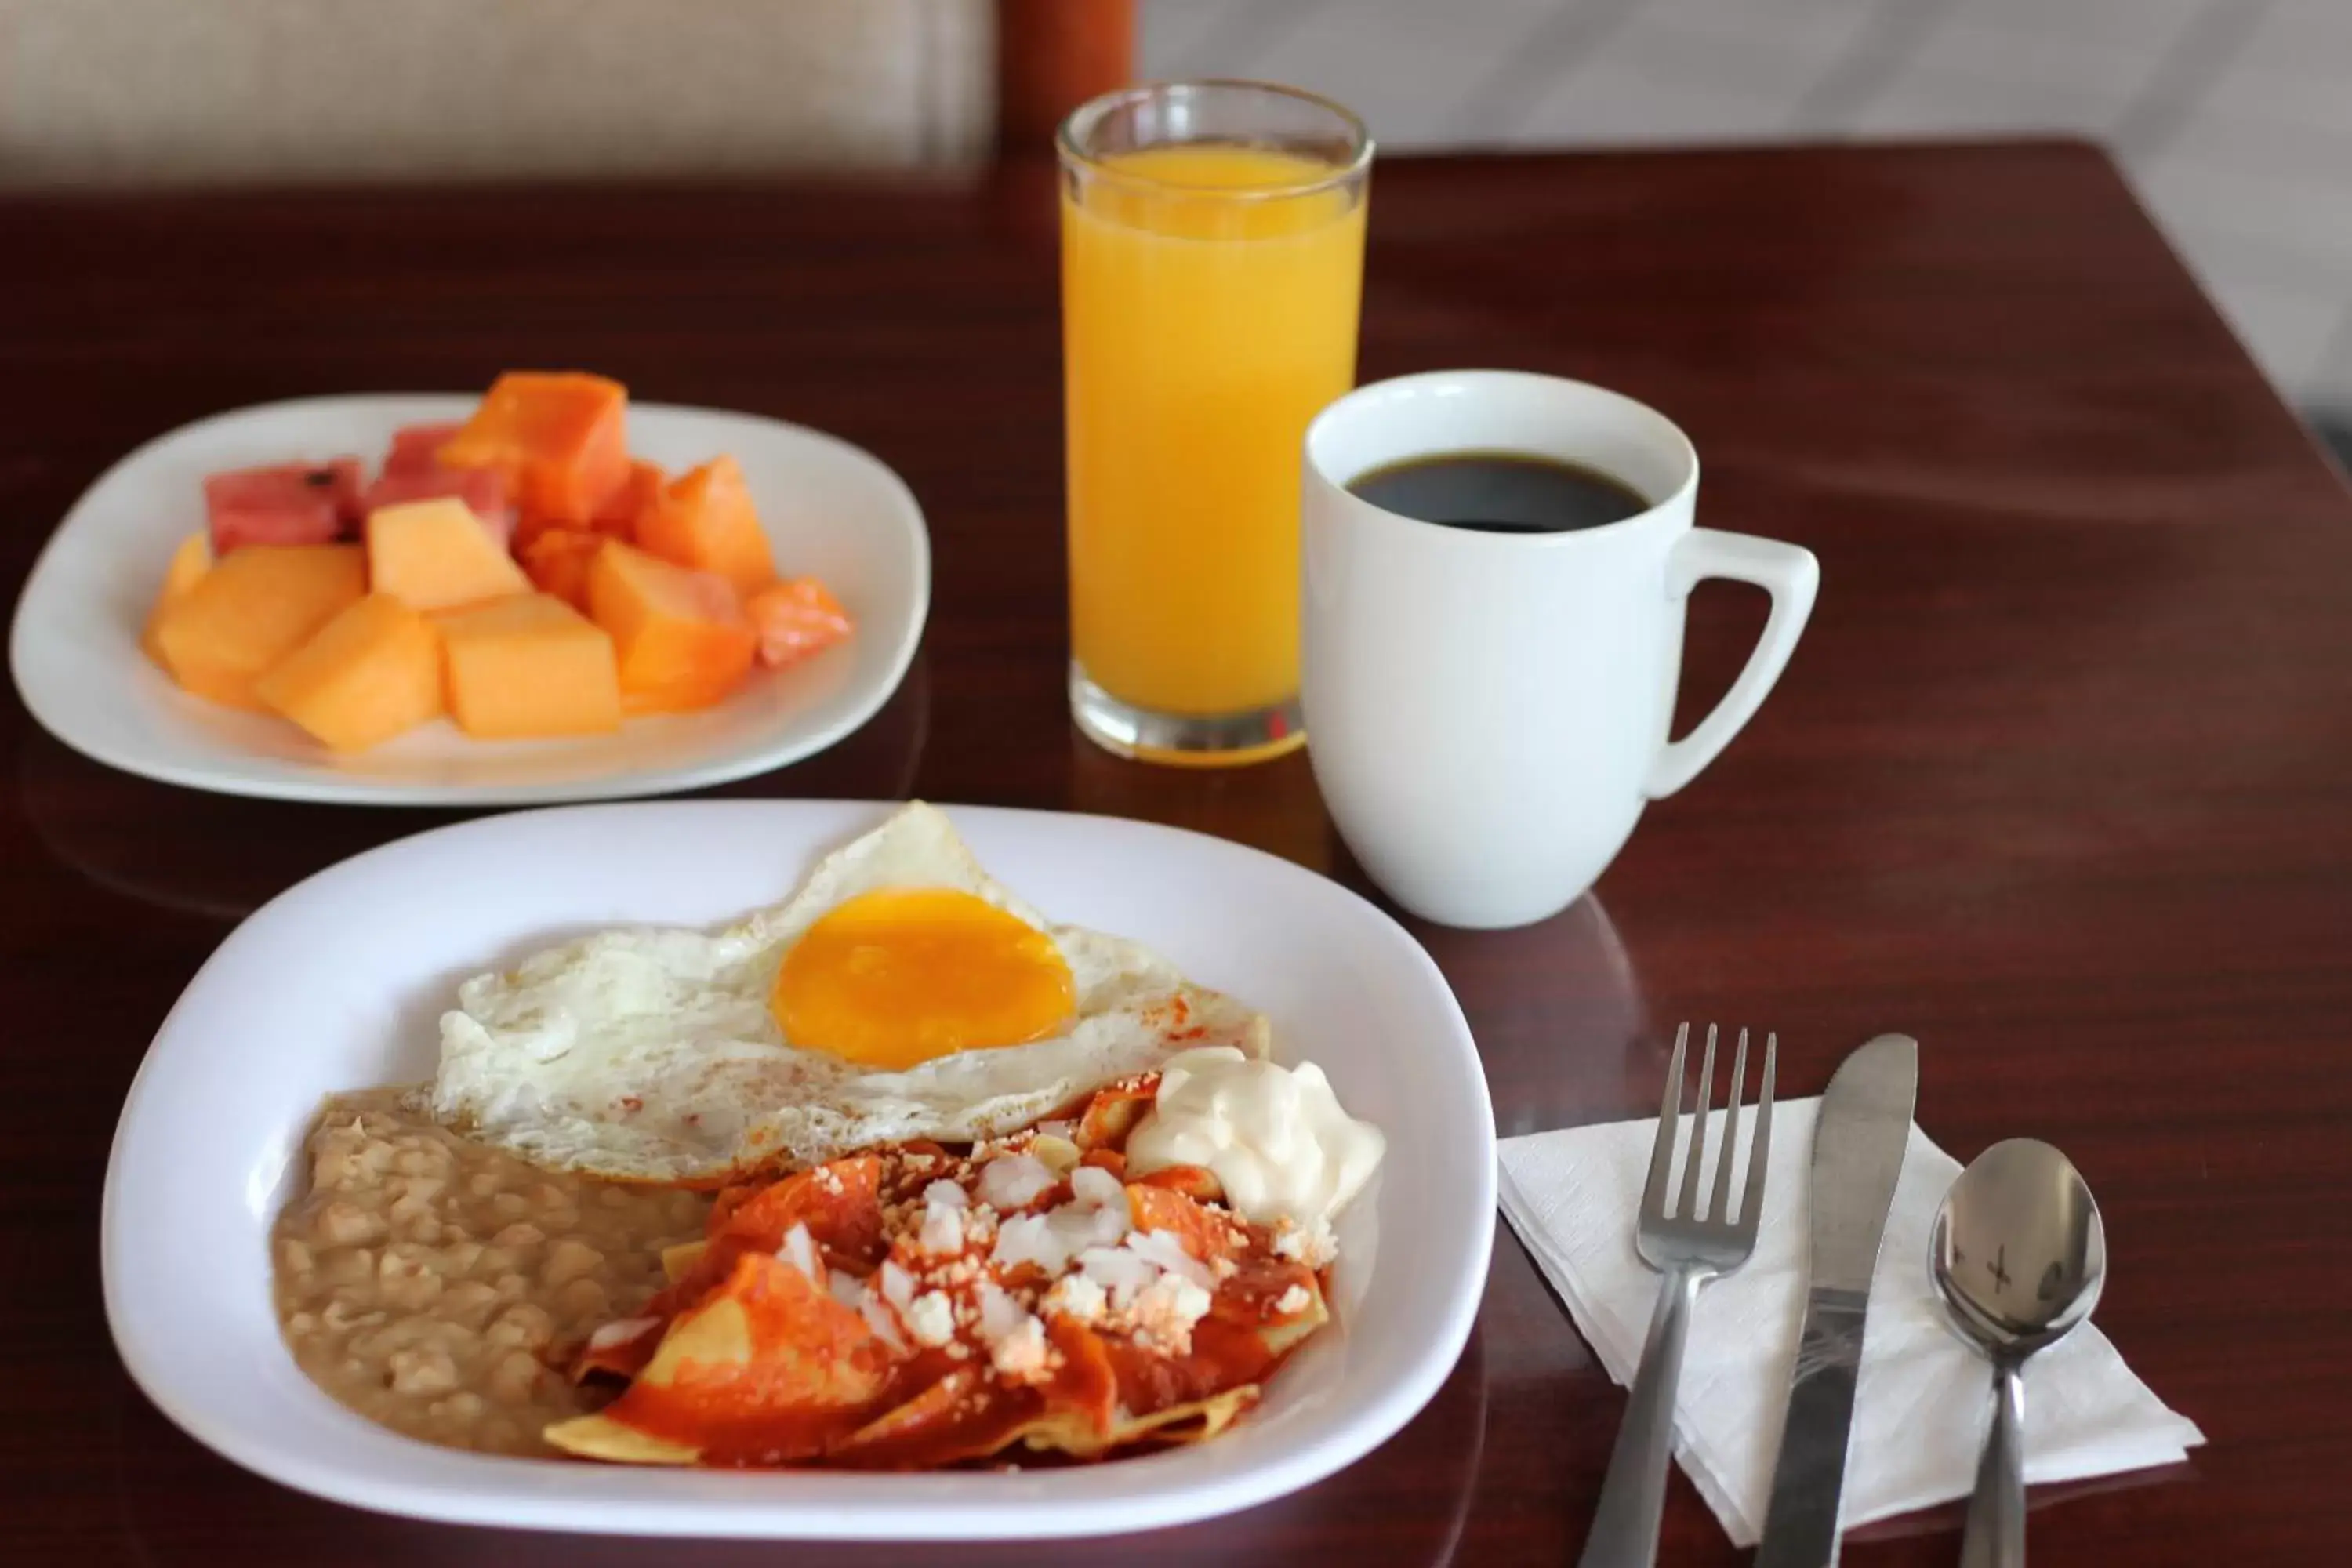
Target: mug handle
<point>1793,577</point>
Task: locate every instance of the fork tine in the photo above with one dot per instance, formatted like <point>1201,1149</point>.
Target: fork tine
<point>1718,1207</point>
<point>1757,1155</point>
<point>1686,1207</point>
<point>1661,1147</point>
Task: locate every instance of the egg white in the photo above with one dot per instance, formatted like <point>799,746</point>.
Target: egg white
<point>650,1053</point>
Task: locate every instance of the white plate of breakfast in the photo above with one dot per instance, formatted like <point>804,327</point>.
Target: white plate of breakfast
<point>803,1170</point>
<point>541,594</point>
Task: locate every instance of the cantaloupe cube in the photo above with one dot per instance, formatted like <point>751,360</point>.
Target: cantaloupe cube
<point>189,563</point>
<point>259,604</point>
<point>437,555</point>
<point>706,520</point>
<point>372,672</point>
<point>557,560</point>
<point>681,636</point>
<point>529,666</point>
<point>560,437</point>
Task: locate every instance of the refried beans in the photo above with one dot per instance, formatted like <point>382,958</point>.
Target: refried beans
<point>427,1281</point>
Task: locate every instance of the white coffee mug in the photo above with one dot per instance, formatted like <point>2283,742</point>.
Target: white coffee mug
<point>1486,712</point>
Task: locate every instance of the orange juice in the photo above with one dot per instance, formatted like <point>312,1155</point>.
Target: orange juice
<point>1209,306</point>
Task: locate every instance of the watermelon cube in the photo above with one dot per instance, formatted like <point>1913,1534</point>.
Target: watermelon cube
<point>484,491</point>
<point>417,447</point>
<point>286,503</point>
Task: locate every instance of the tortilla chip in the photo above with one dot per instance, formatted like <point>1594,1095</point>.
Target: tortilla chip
<point>678,1261</point>
<point>1194,1421</point>
<point>1114,1111</point>
<point>602,1437</point>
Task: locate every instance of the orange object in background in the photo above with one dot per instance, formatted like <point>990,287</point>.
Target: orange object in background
<point>529,666</point>
<point>1052,56</point>
<point>681,636</point>
<point>795,619</point>
<point>556,561</point>
<point>257,604</point>
<point>560,437</point>
<point>706,520</point>
<point>371,673</point>
<point>189,563</point>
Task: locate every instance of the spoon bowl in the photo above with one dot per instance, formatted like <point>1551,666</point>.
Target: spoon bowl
<point>2019,1257</point>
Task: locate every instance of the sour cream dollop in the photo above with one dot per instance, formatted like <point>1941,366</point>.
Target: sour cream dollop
<point>1275,1136</point>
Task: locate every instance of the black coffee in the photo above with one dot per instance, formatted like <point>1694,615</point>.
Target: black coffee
<point>1501,492</point>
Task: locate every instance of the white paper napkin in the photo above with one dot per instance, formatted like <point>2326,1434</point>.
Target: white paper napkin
<point>1923,1399</point>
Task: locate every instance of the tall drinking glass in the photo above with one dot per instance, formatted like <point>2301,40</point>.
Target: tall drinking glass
<point>1212,259</point>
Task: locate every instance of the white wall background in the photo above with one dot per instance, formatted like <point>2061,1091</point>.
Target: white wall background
<point>2234,116</point>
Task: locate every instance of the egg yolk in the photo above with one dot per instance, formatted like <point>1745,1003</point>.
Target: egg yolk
<point>898,976</point>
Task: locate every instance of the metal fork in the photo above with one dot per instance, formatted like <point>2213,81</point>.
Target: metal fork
<point>1689,1251</point>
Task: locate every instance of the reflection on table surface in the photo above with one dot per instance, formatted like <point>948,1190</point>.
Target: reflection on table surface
<point>219,857</point>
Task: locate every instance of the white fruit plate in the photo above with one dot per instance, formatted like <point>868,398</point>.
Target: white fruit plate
<point>831,510</point>
<point>336,985</point>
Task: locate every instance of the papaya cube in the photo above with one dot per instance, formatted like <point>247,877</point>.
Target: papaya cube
<point>556,561</point>
<point>681,636</point>
<point>369,674</point>
<point>257,604</point>
<point>706,520</point>
<point>189,563</point>
<point>795,619</point>
<point>560,437</point>
<point>619,515</point>
<point>529,666</point>
<point>435,555</point>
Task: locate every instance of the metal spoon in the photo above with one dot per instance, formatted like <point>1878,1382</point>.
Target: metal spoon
<point>2018,1255</point>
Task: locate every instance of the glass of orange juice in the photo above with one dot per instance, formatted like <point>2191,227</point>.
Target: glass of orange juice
<point>1213,260</point>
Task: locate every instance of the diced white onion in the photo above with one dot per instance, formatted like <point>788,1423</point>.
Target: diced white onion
<point>1014,1181</point>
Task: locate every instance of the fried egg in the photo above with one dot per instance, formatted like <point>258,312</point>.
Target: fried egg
<point>902,991</point>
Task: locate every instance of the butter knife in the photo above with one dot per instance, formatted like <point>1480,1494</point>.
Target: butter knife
<point>1863,1126</point>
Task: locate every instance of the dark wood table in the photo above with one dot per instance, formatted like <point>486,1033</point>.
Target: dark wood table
<point>2060,781</point>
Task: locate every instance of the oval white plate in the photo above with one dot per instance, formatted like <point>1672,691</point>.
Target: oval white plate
<point>337,985</point>
<point>831,510</point>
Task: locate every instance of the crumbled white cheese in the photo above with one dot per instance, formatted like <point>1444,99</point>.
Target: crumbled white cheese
<point>944,1194</point>
<point>1167,1307</point>
<point>1314,1245</point>
<point>1021,1353</point>
<point>1078,1298</point>
<point>1294,1300</point>
<point>931,1318</point>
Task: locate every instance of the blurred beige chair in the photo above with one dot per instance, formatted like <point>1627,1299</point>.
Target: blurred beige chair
<point>182,92</point>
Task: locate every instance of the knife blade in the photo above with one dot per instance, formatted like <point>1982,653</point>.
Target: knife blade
<point>1863,1126</point>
